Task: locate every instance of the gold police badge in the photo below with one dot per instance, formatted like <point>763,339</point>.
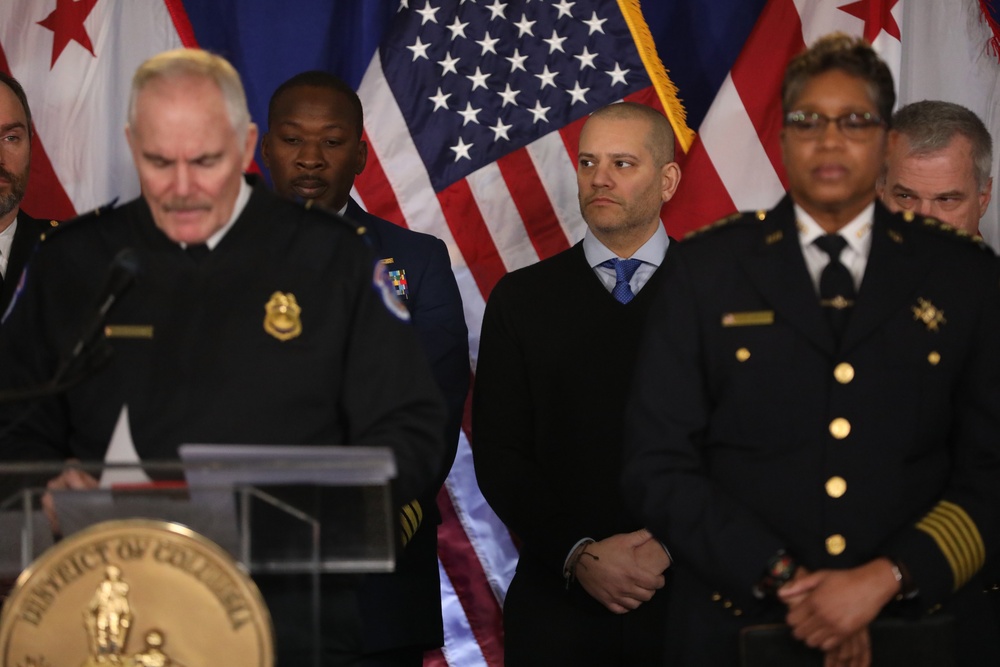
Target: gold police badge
<point>282,316</point>
<point>135,593</point>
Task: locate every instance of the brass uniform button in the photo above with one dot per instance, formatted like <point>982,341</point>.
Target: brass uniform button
<point>836,487</point>
<point>844,372</point>
<point>934,358</point>
<point>840,428</point>
<point>716,597</point>
<point>835,545</point>
<point>727,604</point>
<point>742,354</point>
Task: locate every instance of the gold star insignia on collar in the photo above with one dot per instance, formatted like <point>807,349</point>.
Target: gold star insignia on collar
<point>929,314</point>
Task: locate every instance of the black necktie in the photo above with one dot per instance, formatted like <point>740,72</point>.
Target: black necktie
<point>197,252</point>
<point>836,286</point>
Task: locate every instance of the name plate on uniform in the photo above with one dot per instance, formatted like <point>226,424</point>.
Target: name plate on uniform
<point>748,318</point>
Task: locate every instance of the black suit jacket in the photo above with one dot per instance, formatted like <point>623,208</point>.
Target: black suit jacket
<point>404,608</point>
<point>745,409</point>
<point>26,236</point>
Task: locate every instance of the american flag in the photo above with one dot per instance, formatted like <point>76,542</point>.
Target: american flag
<point>473,109</point>
<point>480,107</point>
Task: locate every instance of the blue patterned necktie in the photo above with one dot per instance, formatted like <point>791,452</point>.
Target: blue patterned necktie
<point>624,270</point>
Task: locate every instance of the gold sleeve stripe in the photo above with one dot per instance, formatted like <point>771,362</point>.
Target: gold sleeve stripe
<point>408,529</point>
<point>418,510</point>
<point>958,538</point>
<point>410,519</point>
<point>968,531</point>
<point>935,532</point>
<point>959,557</point>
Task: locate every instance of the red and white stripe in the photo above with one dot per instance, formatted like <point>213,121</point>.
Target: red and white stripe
<point>77,102</point>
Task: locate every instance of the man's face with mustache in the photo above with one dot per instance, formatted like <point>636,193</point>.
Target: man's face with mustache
<point>189,156</point>
<point>15,152</point>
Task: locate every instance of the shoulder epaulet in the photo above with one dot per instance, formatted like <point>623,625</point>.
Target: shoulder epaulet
<point>57,226</point>
<point>100,210</point>
<point>360,230</point>
<point>53,225</point>
<point>935,226</point>
<point>726,221</point>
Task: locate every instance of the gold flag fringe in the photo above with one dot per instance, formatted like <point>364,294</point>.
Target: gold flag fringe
<point>666,90</point>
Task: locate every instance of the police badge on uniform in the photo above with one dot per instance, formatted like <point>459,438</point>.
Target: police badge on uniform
<point>282,316</point>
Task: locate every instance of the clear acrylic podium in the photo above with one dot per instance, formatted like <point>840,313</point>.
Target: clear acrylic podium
<point>294,510</point>
<point>276,510</point>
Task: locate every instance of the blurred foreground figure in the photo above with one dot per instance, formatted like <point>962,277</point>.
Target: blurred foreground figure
<point>814,426</point>
<point>250,320</point>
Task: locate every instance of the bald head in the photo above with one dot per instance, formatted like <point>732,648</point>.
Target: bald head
<point>659,136</point>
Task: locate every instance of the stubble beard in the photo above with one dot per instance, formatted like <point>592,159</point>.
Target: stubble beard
<point>18,184</point>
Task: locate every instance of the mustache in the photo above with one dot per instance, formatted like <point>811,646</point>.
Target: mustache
<point>18,185</point>
<point>185,205</point>
<point>16,179</point>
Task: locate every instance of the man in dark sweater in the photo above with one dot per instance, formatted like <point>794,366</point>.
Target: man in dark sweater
<point>556,356</point>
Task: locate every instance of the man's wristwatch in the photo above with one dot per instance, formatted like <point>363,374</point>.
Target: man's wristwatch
<point>779,570</point>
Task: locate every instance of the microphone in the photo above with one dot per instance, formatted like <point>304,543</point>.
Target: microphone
<point>121,274</point>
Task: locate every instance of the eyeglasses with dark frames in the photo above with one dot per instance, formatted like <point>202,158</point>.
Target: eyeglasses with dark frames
<point>855,126</point>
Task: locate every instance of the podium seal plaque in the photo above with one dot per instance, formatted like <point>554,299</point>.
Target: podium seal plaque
<point>135,593</point>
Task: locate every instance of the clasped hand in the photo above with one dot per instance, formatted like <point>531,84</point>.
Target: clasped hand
<point>831,609</point>
<point>624,570</point>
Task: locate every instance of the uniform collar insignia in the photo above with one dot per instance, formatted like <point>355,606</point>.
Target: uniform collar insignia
<point>929,314</point>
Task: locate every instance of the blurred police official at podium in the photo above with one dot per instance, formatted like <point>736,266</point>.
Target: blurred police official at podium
<point>217,313</point>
